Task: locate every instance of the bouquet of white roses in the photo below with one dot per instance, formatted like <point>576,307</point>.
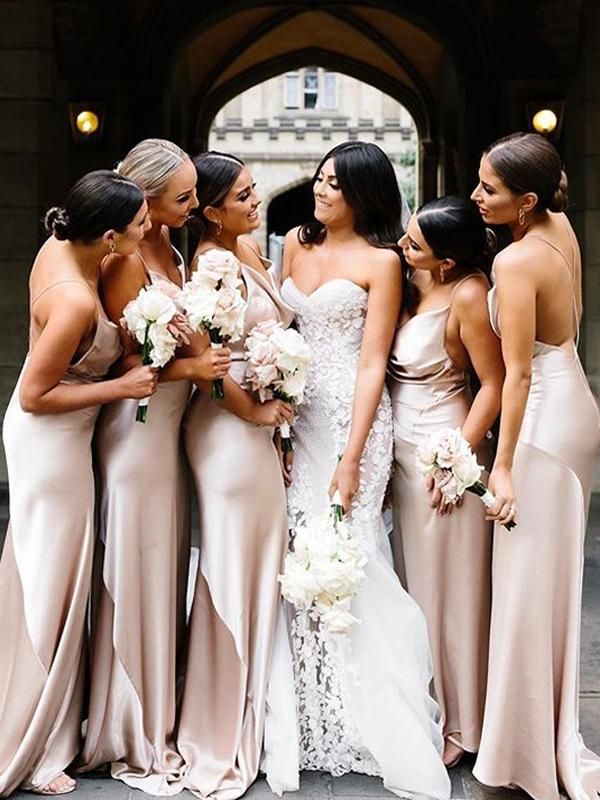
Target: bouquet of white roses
<point>278,360</point>
<point>214,304</point>
<point>447,457</point>
<point>325,570</point>
<point>151,318</point>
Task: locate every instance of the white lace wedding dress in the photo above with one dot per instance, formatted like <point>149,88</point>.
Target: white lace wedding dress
<point>358,702</point>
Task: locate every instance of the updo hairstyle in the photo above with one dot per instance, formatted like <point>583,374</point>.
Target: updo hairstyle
<point>151,163</point>
<point>528,162</point>
<point>100,201</point>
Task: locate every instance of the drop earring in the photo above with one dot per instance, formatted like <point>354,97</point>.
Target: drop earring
<point>442,275</point>
<point>521,217</point>
<point>219,227</point>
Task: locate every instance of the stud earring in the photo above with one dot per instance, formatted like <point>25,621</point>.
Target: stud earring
<point>521,217</point>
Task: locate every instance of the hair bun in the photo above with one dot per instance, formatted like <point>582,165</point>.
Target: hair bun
<point>57,223</point>
<point>560,198</point>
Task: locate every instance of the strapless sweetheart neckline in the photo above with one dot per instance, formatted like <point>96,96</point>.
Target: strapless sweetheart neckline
<point>323,285</point>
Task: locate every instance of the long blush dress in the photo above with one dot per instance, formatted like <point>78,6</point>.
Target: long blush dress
<point>45,576</point>
<point>243,538</point>
<point>139,591</point>
<point>531,733</point>
<point>355,702</point>
<point>443,562</point>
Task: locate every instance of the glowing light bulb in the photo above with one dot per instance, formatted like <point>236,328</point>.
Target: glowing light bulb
<point>545,121</point>
<point>87,122</point>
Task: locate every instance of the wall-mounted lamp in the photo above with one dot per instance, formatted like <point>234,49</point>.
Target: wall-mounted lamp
<point>87,122</point>
<point>546,117</point>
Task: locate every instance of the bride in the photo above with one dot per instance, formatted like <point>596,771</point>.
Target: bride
<point>357,702</point>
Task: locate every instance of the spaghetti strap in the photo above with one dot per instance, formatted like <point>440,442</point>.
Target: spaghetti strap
<point>66,280</point>
<point>477,274</point>
<point>571,270</point>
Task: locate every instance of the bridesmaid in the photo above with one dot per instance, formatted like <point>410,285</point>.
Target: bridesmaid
<point>46,565</point>
<point>444,557</point>
<point>243,522</point>
<point>144,526</point>
<point>542,477</point>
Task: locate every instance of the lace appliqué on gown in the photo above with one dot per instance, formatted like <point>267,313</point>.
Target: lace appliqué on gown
<point>333,324</point>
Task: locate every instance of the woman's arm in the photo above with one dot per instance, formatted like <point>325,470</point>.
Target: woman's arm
<point>516,295</point>
<point>485,354</point>
<point>69,315</point>
<point>385,295</point>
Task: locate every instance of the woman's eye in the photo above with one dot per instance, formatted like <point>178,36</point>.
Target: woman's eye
<point>183,199</point>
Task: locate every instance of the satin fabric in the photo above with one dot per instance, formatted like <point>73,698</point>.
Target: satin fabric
<point>443,562</point>
<point>360,701</point>
<point>139,595</point>
<point>243,536</point>
<point>45,578</point>
<point>531,733</point>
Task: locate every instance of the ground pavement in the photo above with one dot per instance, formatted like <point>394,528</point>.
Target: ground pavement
<point>318,786</point>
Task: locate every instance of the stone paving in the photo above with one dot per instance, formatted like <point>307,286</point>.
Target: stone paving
<point>318,786</point>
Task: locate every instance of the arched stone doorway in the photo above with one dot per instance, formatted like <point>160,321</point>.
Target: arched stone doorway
<point>291,207</point>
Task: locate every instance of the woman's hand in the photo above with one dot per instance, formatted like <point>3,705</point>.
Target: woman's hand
<point>212,364</point>
<point>286,461</point>
<point>501,485</point>
<point>438,500</point>
<point>346,480</point>
<point>272,413</point>
<point>139,382</point>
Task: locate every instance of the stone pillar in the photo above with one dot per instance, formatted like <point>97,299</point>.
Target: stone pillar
<point>26,87</point>
<point>582,124</point>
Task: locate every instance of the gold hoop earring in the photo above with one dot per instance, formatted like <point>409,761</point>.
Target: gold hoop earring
<point>112,247</point>
<point>521,217</point>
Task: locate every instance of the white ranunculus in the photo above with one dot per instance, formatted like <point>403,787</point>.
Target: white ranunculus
<point>294,351</point>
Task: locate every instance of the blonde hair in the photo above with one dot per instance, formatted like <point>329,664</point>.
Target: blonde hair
<point>151,163</point>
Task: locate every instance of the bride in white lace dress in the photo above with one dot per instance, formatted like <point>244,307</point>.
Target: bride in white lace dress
<point>358,702</point>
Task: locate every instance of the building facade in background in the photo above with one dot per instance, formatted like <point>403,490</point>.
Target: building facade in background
<point>282,127</point>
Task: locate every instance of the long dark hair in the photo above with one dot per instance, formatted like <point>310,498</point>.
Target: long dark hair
<point>216,173</point>
<point>98,202</point>
<point>368,183</point>
<point>453,228</point>
<point>528,162</point>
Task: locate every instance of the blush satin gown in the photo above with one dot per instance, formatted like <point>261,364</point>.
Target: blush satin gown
<point>139,592</point>
<point>243,538</point>
<point>443,562</point>
<point>357,702</point>
<point>530,732</point>
<point>45,576</point>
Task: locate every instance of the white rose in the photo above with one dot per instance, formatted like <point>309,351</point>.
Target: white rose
<point>298,585</point>
<point>199,304</point>
<point>228,317</point>
<point>451,445</point>
<point>426,455</point>
<point>216,267</point>
<point>294,351</point>
<point>292,385</point>
<point>334,577</point>
<point>466,472</point>
<point>163,343</point>
<point>338,618</point>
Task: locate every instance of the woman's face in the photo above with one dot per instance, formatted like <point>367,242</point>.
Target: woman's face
<point>174,204</point>
<point>239,210</point>
<point>330,205</point>
<point>497,204</point>
<point>128,241</point>
<point>416,251</point>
